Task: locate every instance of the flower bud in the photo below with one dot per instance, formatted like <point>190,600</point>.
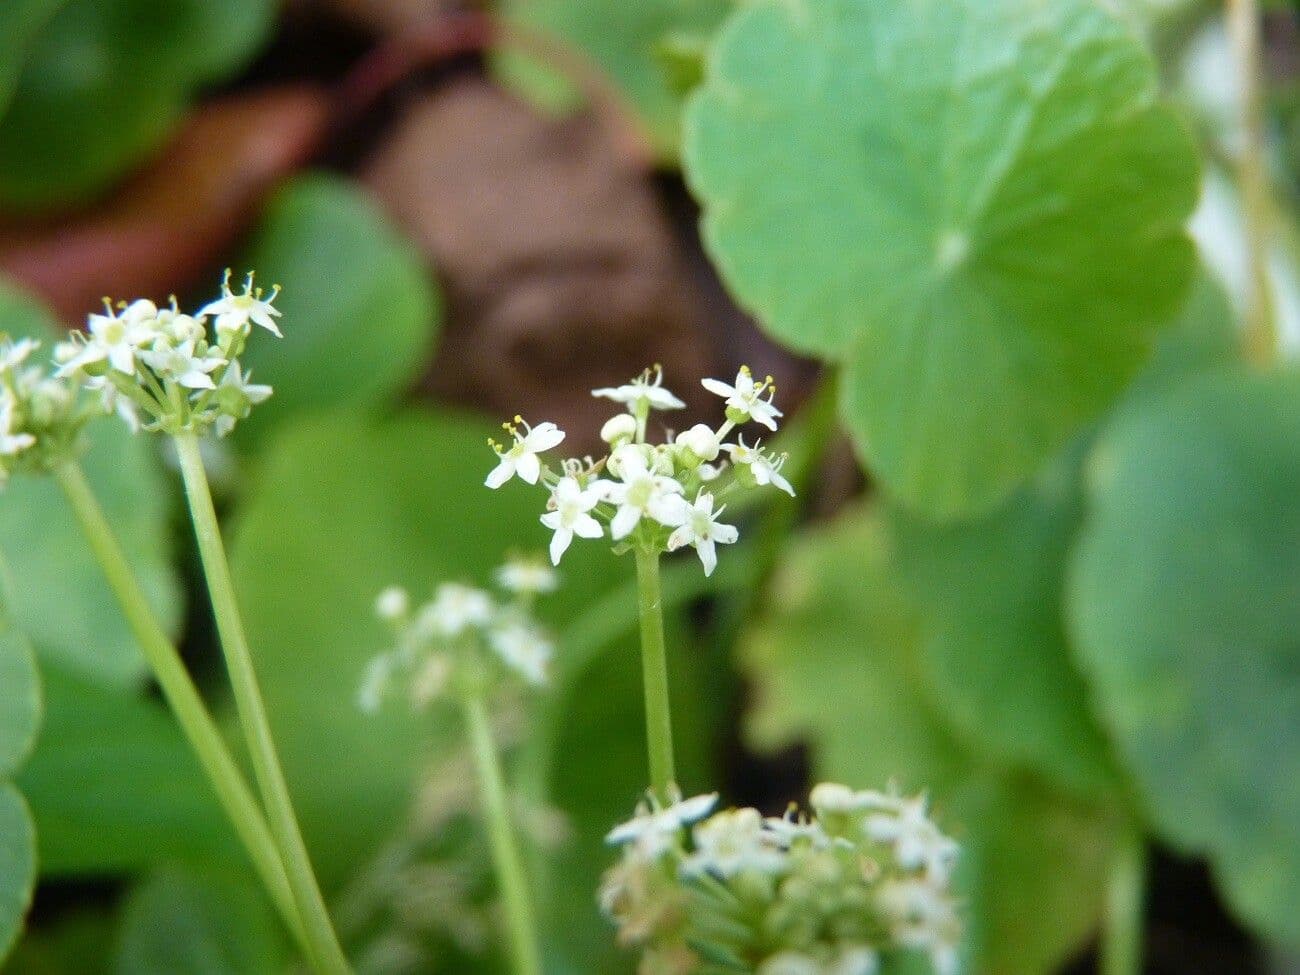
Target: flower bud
<point>621,427</point>
<point>701,441</point>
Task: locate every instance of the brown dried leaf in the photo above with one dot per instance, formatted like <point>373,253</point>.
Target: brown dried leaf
<point>560,266</point>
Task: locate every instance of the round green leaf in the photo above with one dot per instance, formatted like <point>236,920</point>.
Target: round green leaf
<point>114,786</point>
<point>625,40</point>
<point>180,922</point>
<point>836,662</point>
<point>976,204</point>
<point>17,865</point>
<point>1185,599</point>
<point>21,715</point>
<point>103,84</point>
<point>993,637</point>
<point>359,308</point>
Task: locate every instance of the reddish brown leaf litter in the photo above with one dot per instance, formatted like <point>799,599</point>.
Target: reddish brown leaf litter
<point>561,270</point>
<point>166,226</point>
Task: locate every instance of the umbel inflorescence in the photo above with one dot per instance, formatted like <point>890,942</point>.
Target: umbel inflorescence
<point>655,496</point>
<point>157,368</point>
<point>162,369</point>
<point>463,639</point>
<point>867,874</point>
<point>40,414</point>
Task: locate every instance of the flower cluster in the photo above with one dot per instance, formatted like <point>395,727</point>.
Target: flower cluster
<point>165,370</point>
<point>658,496</point>
<point>866,875</point>
<point>462,638</point>
<point>40,415</point>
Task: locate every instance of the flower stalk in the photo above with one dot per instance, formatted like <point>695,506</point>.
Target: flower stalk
<point>325,953</point>
<point>1261,336</point>
<point>654,671</point>
<point>181,695</point>
<point>1121,943</point>
<point>506,858</point>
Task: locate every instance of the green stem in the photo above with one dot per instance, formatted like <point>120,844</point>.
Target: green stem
<point>181,695</point>
<point>505,853</point>
<point>654,670</point>
<point>325,953</point>
<point>1121,945</point>
<point>1261,335</point>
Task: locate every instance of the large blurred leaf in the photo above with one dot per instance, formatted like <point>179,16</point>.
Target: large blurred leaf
<point>1186,603</point>
<point>17,864</point>
<point>21,715</point>
<point>59,596</point>
<point>179,922</point>
<point>114,787</point>
<point>57,593</point>
<point>75,943</point>
<point>19,22</point>
<point>359,307</point>
<point>624,40</point>
<point>837,662</point>
<point>105,81</point>
<point>343,507</point>
<point>976,204</point>
<point>993,637</point>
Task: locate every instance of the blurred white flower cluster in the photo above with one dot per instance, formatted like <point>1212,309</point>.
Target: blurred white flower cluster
<point>462,639</point>
<point>40,416</point>
<point>162,369</point>
<point>658,496</point>
<point>868,874</point>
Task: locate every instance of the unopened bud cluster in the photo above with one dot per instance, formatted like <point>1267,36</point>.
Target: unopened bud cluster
<point>463,640</point>
<point>40,414</point>
<point>162,369</point>
<point>656,496</point>
<point>866,875</point>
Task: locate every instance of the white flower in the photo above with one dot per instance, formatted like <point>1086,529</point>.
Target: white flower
<point>745,397</point>
<point>766,470</point>
<point>621,427</point>
<point>921,915</point>
<point>236,396</point>
<point>524,575</point>
<point>654,831</point>
<point>182,365</point>
<point>431,679</point>
<point>733,841</point>
<point>701,529</point>
<point>790,830</point>
<point>524,649</point>
<point>115,337</point>
<point>393,604</point>
<point>15,443</point>
<point>570,504</point>
<point>640,493</point>
<point>234,312</point>
<point>917,841</point>
<point>14,354</point>
<point>646,388</point>
<point>455,608</point>
<point>701,441</point>
<point>521,457</point>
